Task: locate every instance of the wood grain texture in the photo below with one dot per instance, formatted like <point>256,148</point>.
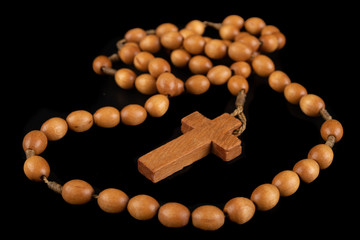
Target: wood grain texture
<point>200,137</point>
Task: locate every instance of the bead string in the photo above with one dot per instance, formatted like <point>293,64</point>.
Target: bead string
<point>238,209</point>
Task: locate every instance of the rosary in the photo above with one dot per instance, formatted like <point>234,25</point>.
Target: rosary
<point>247,44</point>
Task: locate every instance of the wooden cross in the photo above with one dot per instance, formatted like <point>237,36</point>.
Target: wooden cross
<point>200,137</point>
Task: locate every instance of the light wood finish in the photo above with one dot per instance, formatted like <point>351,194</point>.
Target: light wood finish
<point>201,136</point>
<point>143,207</point>
<point>208,218</point>
<point>77,192</point>
<point>35,140</point>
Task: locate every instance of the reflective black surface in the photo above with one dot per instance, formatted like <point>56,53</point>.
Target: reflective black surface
<point>53,76</point>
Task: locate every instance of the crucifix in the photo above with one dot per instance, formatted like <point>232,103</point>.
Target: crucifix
<point>200,137</point>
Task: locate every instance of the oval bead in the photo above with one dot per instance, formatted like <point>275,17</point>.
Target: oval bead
<point>287,182</point>
<point>80,120</point>
<point>54,128</point>
<point>311,105</point>
<point>241,68</point>
<point>35,168</point>
<point>307,169</point>
<point>239,210</point>
<point>332,127</point>
<point>265,196</point>
<point>157,105</point>
<point>174,215</point>
<point>322,154</point>
<point>294,92</point>
<point>128,52</point>
<point>278,80</point>
<point>197,84</point>
<point>135,35</point>
<point>141,61</point>
<point>146,84</point>
<point>200,64</point>
<point>77,192</point>
<point>107,117</point>
<point>35,140</point>
<point>254,25</point>
<point>100,62</point>
<point>236,84</point>
<point>133,114</point>
<point>125,78</point>
<point>167,84</point>
<point>239,51</point>
<point>180,58</point>
<point>196,26</point>
<point>194,44</point>
<point>219,74</point>
<point>208,218</point>
<point>263,65</point>
<point>215,49</point>
<point>171,40</point>
<point>157,66</point>
<point>143,207</point>
<point>150,43</point>
<point>112,200</point>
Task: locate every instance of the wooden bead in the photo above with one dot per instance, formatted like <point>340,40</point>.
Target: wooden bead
<point>157,105</point>
<point>215,49</point>
<point>208,218</point>
<point>180,58</point>
<point>194,44</point>
<point>166,84</point>
<point>141,61</point>
<point>133,114</point>
<point>158,66</point>
<point>196,26</point>
<point>35,140</point>
<point>200,64</point>
<point>143,207</point>
<point>171,40</point>
<point>80,120</point>
<point>135,35</point>
<point>239,52</point>
<point>278,80</point>
<point>269,43</point>
<point>186,33</point>
<point>281,39</point>
<point>322,154</point>
<point>164,28</point>
<point>125,78</point>
<point>239,210</point>
<point>293,92</point>
<point>197,84</point>
<point>219,74</point>
<point>107,117</point>
<point>228,32</point>
<point>235,20</point>
<point>265,196</point>
<point>332,127</point>
<point>77,192</point>
<point>236,84</point>
<point>180,87</point>
<point>35,168</point>
<point>250,41</point>
<point>269,29</point>
<point>112,200</point>
<point>287,182</point>
<point>311,105</point>
<point>100,62</point>
<point>307,169</point>
<point>241,68</point>
<point>128,52</point>
<point>150,43</point>
<point>54,128</point>
<point>263,65</point>
<point>174,215</point>
<point>146,84</point>
<point>254,25</point>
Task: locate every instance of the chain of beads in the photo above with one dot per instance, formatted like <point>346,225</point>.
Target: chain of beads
<point>188,48</point>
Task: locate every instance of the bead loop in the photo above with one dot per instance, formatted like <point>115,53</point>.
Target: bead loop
<point>188,47</point>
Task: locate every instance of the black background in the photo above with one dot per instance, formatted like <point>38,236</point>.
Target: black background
<point>48,69</point>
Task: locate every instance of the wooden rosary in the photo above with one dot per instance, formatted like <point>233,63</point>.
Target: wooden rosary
<point>248,50</point>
